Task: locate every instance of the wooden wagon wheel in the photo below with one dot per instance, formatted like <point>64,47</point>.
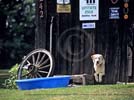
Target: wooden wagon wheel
<point>38,63</point>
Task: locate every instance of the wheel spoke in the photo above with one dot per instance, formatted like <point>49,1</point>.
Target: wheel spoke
<point>39,75</point>
<point>32,76</point>
<point>44,62</point>
<point>27,74</point>
<point>28,62</point>
<point>41,59</point>
<point>33,59</point>
<point>38,57</point>
<point>43,72</point>
<point>45,66</point>
<point>36,76</point>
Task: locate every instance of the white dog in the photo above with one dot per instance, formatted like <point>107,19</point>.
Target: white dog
<point>99,66</point>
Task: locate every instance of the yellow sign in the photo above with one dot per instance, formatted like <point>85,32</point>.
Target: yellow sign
<point>63,8</point>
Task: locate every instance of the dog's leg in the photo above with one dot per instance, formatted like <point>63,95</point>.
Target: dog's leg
<point>100,77</point>
<point>96,77</point>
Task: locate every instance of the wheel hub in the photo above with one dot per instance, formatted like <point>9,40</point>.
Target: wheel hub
<point>33,69</point>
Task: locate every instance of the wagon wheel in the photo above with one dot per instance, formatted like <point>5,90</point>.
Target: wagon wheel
<point>38,63</point>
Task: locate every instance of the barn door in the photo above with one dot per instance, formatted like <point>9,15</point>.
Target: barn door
<point>73,44</point>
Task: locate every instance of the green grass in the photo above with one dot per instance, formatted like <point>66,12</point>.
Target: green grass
<point>91,92</point>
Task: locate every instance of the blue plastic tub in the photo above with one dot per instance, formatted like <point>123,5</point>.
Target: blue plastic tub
<point>39,83</point>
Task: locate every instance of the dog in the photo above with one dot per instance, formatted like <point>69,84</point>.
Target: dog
<point>99,66</point>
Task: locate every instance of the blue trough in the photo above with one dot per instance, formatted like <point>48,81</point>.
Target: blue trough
<point>46,82</point>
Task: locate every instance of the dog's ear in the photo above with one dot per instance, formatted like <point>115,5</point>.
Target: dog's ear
<point>102,57</point>
<point>92,56</point>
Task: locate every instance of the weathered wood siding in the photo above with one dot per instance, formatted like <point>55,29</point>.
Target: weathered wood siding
<point>73,46</point>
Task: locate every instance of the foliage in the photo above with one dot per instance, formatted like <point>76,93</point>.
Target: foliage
<point>10,82</point>
<point>17,30</point>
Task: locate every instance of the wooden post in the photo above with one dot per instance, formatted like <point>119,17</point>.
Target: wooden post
<point>41,21</point>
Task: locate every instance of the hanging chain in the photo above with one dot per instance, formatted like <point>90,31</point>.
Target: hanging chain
<point>126,9</point>
<point>114,1</point>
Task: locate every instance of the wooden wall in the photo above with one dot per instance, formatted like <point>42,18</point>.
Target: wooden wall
<point>73,46</point>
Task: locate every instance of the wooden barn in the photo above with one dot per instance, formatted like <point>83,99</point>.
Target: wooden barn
<point>81,28</point>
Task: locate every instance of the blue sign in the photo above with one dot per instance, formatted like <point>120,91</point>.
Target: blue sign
<point>88,25</point>
<point>114,13</point>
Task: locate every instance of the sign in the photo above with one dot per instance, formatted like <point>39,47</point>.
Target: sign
<point>88,25</point>
<point>89,10</point>
<point>63,6</point>
<point>114,13</point>
<point>63,1</point>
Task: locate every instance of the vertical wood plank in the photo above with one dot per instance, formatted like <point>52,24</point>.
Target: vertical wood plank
<point>40,36</point>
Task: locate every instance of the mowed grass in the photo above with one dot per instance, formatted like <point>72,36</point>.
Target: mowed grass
<point>90,92</point>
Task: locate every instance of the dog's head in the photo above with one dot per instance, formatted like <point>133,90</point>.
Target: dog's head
<point>97,59</point>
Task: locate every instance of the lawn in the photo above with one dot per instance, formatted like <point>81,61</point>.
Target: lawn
<point>90,92</point>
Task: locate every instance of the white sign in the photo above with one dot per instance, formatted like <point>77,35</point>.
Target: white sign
<point>88,25</point>
<point>63,1</point>
<point>89,10</point>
